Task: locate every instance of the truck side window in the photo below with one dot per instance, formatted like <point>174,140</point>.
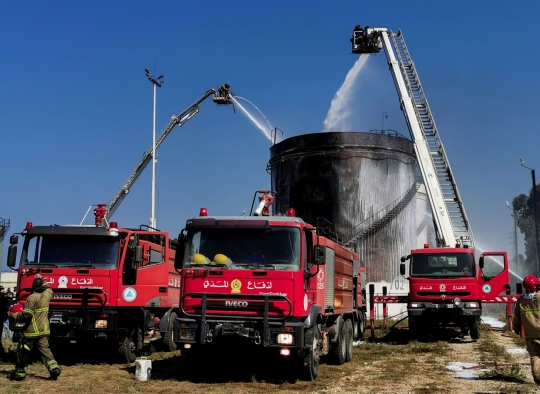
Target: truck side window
<point>129,271</point>
<point>493,266</point>
<point>308,247</point>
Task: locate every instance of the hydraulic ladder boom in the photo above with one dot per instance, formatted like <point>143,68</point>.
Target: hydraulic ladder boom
<point>179,121</point>
<point>450,219</point>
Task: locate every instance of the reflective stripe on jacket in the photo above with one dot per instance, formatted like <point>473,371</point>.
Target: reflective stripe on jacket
<point>36,310</point>
<point>527,315</point>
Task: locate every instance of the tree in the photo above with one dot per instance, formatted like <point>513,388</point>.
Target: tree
<point>523,206</point>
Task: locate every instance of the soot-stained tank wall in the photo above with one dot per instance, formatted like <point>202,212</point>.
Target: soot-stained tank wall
<point>363,183</point>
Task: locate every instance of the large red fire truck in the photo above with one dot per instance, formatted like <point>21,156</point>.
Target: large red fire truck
<point>271,282</point>
<point>114,285</point>
<point>446,285</point>
<point>447,288</point>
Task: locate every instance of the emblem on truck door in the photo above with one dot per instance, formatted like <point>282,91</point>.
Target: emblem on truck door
<point>236,285</point>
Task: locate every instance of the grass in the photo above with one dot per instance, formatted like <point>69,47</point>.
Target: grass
<point>389,363</point>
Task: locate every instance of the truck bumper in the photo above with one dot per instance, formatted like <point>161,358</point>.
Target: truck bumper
<point>78,323</point>
<point>447,312</point>
<point>220,325</point>
<point>279,335</point>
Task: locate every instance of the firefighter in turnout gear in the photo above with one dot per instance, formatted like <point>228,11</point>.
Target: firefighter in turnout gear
<point>36,334</point>
<point>527,315</point>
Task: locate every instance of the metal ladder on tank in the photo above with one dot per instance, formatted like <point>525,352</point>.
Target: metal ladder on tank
<point>452,199</point>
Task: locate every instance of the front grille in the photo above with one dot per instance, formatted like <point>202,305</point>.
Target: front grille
<point>437,294</point>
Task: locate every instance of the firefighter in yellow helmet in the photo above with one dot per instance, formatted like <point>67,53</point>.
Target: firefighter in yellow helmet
<point>36,316</point>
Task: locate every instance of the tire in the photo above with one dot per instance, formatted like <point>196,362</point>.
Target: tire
<point>340,347</point>
<point>348,336</point>
<point>127,351</point>
<point>475,329</point>
<point>168,340</point>
<point>310,357</point>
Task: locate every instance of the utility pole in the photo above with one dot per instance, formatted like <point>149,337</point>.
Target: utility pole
<point>516,253</point>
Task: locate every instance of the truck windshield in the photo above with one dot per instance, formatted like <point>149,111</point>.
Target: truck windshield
<point>70,251</point>
<point>442,265</point>
<point>277,248</point>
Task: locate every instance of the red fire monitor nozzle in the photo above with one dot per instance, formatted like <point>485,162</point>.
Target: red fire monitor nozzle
<point>100,213</point>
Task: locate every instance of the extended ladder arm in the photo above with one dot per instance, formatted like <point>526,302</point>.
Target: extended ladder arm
<point>179,121</point>
<point>425,162</point>
<point>449,214</point>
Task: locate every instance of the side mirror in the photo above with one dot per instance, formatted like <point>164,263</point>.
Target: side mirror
<point>12,255</point>
<point>179,257</point>
<point>13,240</point>
<point>402,269</point>
<point>481,262</point>
<point>320,255</point>
<point>138,254</point>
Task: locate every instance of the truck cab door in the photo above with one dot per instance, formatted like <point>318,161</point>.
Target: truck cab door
<point>129,265</point>
<point>494,276</point>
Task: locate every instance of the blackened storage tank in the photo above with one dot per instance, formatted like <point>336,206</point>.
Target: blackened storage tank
<point>364,184</point>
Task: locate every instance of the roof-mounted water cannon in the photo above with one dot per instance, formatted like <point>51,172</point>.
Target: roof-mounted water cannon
<point>265,201</point>
<point>100,213</point>
<point>366,40</point>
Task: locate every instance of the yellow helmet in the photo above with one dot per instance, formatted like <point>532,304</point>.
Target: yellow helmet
<point>200,259</point>
<point>222,259</point>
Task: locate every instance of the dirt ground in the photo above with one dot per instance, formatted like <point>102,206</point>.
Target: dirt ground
<point>389,364</point>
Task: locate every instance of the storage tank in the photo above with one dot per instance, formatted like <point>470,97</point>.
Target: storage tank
<point>364,184</point>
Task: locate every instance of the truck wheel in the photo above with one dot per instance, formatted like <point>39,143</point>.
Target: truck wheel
<point>309,369</point>
<point>475,329</point>
<point>168,340</point>
<point>340,347</point>
<point>348,335</point>
<point>127,351</point>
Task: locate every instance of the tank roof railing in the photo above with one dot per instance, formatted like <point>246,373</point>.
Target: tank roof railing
<point>389,132</point>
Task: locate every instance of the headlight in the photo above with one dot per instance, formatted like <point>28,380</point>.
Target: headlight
<point>285,339</point>
<point>457,302</point>
<point>186,335</point>
<point>471,305</point>
<point>101,324</point>
<point>414,305</point>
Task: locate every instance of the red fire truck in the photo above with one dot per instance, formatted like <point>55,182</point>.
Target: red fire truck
<point>447,288</point>
<point>113,285</point>
<point>271,282</point>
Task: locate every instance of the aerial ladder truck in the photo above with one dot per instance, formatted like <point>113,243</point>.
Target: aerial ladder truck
<point>446,286</point>
<point>179,121</point>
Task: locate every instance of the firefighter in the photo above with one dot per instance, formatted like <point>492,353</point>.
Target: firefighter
<point>35,314</point>
<point>224,90</point>
<point>357,35</point>
<point>527,315</point>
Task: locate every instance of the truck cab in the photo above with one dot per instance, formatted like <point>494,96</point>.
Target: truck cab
<point>447,287</point>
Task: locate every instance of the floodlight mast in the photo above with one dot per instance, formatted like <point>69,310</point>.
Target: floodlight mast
<point>449,215</point>
<point>157,83</point>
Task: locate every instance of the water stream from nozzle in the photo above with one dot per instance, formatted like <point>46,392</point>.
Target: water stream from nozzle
<point>340,108</point>
<point>266,131</point>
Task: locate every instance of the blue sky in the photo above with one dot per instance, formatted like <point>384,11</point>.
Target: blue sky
<point>76,107</point>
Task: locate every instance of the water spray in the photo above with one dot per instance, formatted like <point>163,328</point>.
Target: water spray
<point>340,109</point>
<point>266,132</point>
